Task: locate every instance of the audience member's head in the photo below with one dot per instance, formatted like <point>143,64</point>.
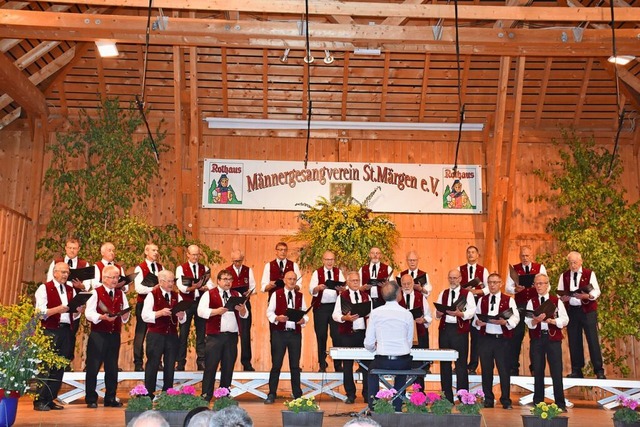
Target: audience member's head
<point>362,422</point>
<point>149,419</point>
<point>198,417</point>
<point>231,416</point>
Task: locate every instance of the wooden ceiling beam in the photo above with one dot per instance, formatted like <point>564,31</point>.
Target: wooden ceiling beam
<point>365,9</point>
<point>212,32</point>
<point>18,86</point>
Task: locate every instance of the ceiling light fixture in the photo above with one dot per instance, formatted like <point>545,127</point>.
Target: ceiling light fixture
<point>285,56</point>
<point>328,59</point>
<point>363,51</point>
<point>621,59</point>
<point>107,49</point>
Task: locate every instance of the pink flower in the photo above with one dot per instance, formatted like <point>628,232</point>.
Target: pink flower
<point>173,392</point>
<point>139,390</point>
<point>221,392</point>
<point>433,397</point>
<point>386,394</point>
<point>416,387</point>
<point>418,398</point>
<point>189,389</point>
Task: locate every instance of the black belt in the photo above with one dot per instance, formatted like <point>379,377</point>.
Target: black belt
<point>403,356</point>
<point>62,325</point>
<point>327,303</point>
<point>497,336</point>
<point>289,330</point>
<point>544,331</point>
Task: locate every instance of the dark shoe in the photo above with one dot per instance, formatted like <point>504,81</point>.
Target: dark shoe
<point>206,397</point>
<point>113,404</point>
<point>350,400</point>
<point>601,376</point>
<point>575,375</point>
<point>271,398</point>
<point>507,406</point>
<point>249,368</point>
<point>365,400</point>
<point>55,406</point>
<point>138,368</point>
<point>472,372</point>
<point>93,405</point>
<point>489,404</point>
<point>563,409</point>
<point>40,406</point>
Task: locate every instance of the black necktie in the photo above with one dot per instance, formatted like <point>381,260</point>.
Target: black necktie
<point>356,297</point>
<point>70,262</point>
<point>493,302</point>
<point>281,266</point>
<point>413,274</point>
<point>153,267</point>
<point>110,263</point>
<point>61,289</point>
<point>453,297</point>
<point>542,300</point>
<point>166,298</point>
<point>408,300</point>
<point>526,269</point>
<point>111,294</point>
<point>374,274</point>
<point>290,299</point>
<point>575,278</point>
<point>470,272</point>
<point>225,295</point>
<point>328,274</point>
<point>195,271</point>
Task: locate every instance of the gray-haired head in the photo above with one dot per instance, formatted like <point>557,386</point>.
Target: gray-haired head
<point>149,419</point>
<point>231,416</point>
<point>362,422</point>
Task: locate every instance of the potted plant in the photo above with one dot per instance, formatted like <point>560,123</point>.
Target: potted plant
<point>469,408</point>
<point>545,415</point>
<point>25,351</point>
<point>302,412</point>
<point>223,399</point>
<point>627,415</point>
<point>174,404</point>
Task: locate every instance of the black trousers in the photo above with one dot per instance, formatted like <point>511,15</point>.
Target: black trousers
<point>474,355</point>
<point>221,349</point>
<point>495,349</point>
<point>281,342</point>
<point>245,338</point>
<point>185,328</point>
<point>323,322</point>
<point>355,339</point>
<point>587,323</point>
<point>53,380</point>
<point>423,342</point>
<point>102,348</point>
<point>381,362</point>
<point>544,349</point>
<point>160,346</point>
<point>450,338</point>
<point>515,346</point>
<point>138,338</point>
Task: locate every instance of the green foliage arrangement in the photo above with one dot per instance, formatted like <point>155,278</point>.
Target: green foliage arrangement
<point>302,404</point>
<point>545,411</point>
<point>346,227</point>
<point>180,399</point>
<point>223,399</point>
<point>99,172</point>
<point>25,351</point>
<point>383,403</point>
<point>139,400</point>
<point>595,219</point>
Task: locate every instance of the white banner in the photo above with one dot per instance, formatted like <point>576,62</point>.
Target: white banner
<point>404,187</point>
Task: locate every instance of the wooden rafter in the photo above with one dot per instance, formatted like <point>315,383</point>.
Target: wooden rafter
<point>20,88</point>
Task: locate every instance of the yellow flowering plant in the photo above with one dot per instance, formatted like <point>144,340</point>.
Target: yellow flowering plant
<point>302,404</point>
<point>545,411</point>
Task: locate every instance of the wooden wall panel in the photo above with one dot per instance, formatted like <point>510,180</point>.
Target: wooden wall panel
<point>13,234</point>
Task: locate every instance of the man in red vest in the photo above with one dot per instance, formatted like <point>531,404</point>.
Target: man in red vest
<point>323,301</point>
<point>105,312</point>
<point>52,299</point>
<point>545,334</point>
<point>494,340</point>
<point>149,265</point>
<point>522,295</point>
<point>583,315</point>
<point>286,335</point>
<point>413,299</point>
<point>375,271</point>
<point>351,332</point>
<point>162,331</point>
<point>108,253</point>
<point>469,271</point>
<point>414,271</point>
<point>195,271</point>
<point>222,326</point>
<point>244,283</point>
<point>454,333</point>
<point>276,269</point>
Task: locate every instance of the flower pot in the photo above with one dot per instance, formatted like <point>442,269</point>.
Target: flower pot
<point>616,423</point>
<point>174,418</point>
<point>8,408</point>
<point>533,421</point>
<point>420,420</point>
<point>302,419</point>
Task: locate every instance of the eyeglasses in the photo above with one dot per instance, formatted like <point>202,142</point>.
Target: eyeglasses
<point>226,279</point>
<point>541,283</point>
<point>237,260</point>
<point>166,280</point>
<point>110,277</point>
<point>495,281</point>
<point>328,259</point>
<point>281,249</point>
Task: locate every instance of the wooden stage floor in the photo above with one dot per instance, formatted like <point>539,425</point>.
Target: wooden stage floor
<point>336,414</point>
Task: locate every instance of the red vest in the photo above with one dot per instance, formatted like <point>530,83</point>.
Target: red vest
<point>555,333</point>
<point>240,282</point>
<point>101,266</point>
<point>281,308</point>
<point>463,325</point>
<point>504,305</point>
<point>53,300</point>
<point>275,273</point>
<point>585,278</point>
<point>187,272</point>
<point>80,262</point>
<point>145,270</point>
<point>417,303</point>
<point>112,307</point>
<point>335,272</point>
<point>478,272</point>
<point>214,322</point>
<point>346,327</point>
<point>526,294</point>
<point>383,274</point>
<point>165,325</point>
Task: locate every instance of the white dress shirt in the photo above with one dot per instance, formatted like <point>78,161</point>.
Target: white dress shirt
<point>510,287</point>
<point>228,321</point>
<point>91,312</point>
<point>329,295</point>
<point>182,288</point>
<point>148,315</point>
<point>390,330</point>
<point>469,311</point>
<point>573,286</point>
<point>271,310</point>
<point>359,323</point>
<point>96,278</point>
<point>485,276</point>
<point>266,273</point>
<point>374,289</point>
<point>492,328</point>
<point>41,302</point>
<point>137,282</point>
<point>562,319</point>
